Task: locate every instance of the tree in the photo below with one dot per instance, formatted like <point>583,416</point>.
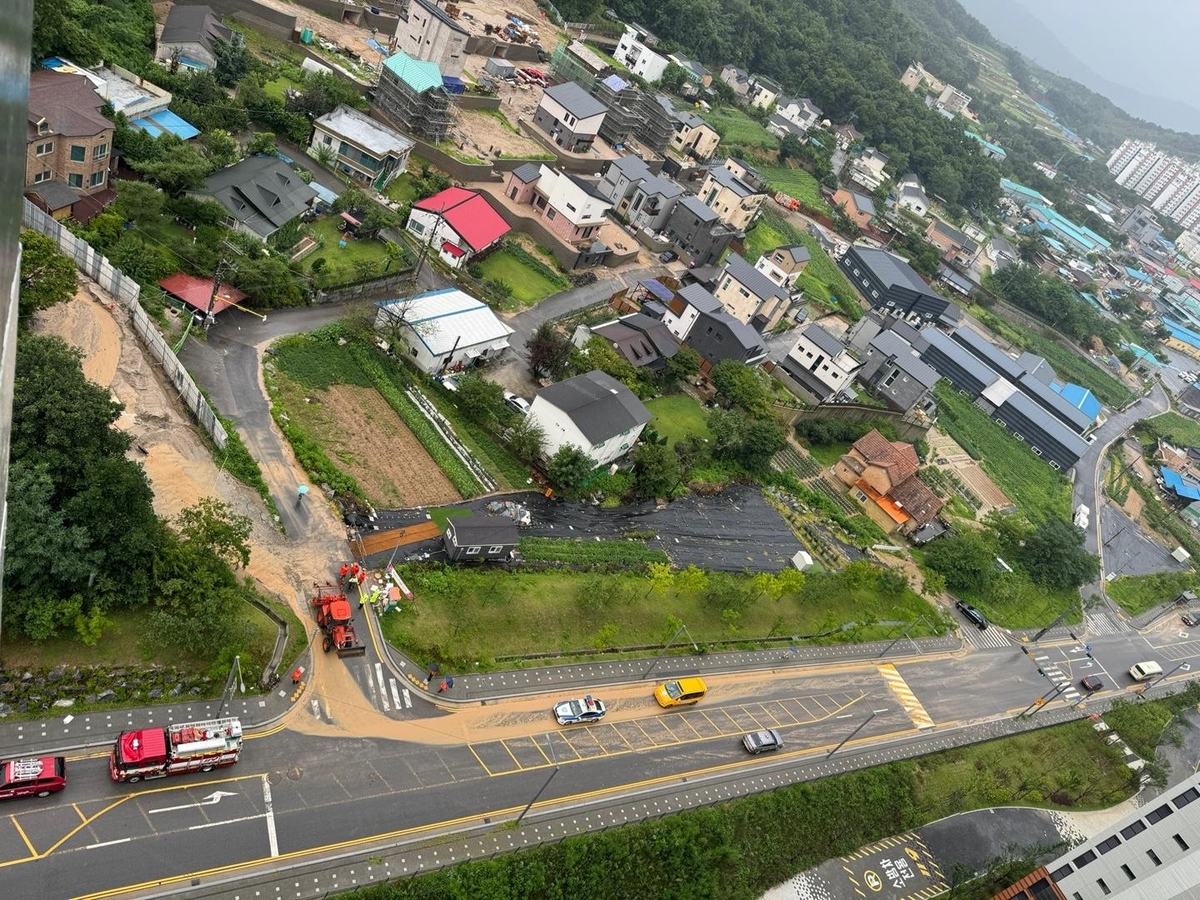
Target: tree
<point>177,167</point>
<point>234,62</point>
<point>221,148</point>
<point>264,142</point>
<point>143,261</point>
<point>549,352</point>
<point>322,93</point>
<point>140,202</point>
<point>47,277</point>
<point>570,468</point>
<point>693,580</point>
<point>673,78</point>
<point>967,561</point>
<point>1055,557</point>
<point>656,470</point>
<point>481,401</point>
<point>740,439</point>
<point>213,525</point>
<point>790,148</point>
<point>661,576</point>
<point>526,439</point>
<point>741,385</point>
<point>1032,246</point>
<point>269,281</point>
<point>684,364</point>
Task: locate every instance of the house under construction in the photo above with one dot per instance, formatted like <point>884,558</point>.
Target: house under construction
<point>634,114</point>
<point>411,95</point>
<point>576,62</point>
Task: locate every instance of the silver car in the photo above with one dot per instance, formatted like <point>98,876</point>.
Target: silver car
<point>762,741</point>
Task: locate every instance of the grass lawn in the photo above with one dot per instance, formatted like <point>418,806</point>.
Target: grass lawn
<point>739,130</point>
<point>1014,601</point>
<point>528,286</point>
<point>822,279</point>
<point>800,183</point>
<point>276,87</point>
<point>444,514</point>
<point>676,416</point>
<point>761,239</point>
<point>827,454</point>
<point>1138,593</point>
<point>325,229</point>
<point>466,617</point>
<point>401,189</point>
<point>1179,430</point>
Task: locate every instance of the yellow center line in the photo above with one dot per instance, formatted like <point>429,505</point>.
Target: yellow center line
<point>21,831</point>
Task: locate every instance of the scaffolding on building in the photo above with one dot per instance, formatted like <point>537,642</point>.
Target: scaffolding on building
<point>566,66</point>
<point>634,114</point>
<point>424,114</point>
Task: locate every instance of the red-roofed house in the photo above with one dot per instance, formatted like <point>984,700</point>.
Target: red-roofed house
<point>882,476</point>
<point>197,292</point>
<point>460,224</point>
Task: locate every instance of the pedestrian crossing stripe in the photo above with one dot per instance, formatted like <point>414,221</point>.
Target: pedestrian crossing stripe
<point>908,700</point>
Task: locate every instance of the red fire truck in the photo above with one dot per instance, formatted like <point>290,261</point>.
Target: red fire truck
<point>39,777</point>
<point>188,747</point>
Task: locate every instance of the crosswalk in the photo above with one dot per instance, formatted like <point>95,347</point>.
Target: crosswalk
<point>1102,622</point>
<point>991,638</point>
<point>1058,678</point>
<point>386,692</point>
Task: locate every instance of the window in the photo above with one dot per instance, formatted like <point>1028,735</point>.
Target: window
<point>860,496</point>
<point>1183,845</point>
<point>43,127</point>
<point>78,153</point>
<point>413,351</point>
<point>1128,871</point>
<point>497,549</point>
<point>875,294</point>
<point>75,179</point>
<point>100,151</point>
<point>1154,857</point>
<point>416,227</point>
<point>1084,858</point>
<point>1104,888</point>
<point>551,213</point>
<point>1106,845</point>
<point>96,179</point>
<point>41,176</point>
<point>1186,797</point>
<point>571,207</point>
<point>43,149</point>
<point>1159,814</point>
<point>1060,874</point>
<point>472,551</point>
<point>327,139</point>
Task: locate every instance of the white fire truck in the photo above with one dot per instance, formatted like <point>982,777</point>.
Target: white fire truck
<point>174,749</point>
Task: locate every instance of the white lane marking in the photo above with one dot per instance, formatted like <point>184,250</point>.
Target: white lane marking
<point>395,693</point>
<point>210,800</point>
<point>407,698</point>
<point>382,687</point>
<point>231,822</point>
<point>270,814</point>
<point>316,709</point>
<point>107,843</point>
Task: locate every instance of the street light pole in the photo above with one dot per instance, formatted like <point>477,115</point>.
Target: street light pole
<point>861,726</point>
<point>541,791</point>
<point>1042,700</point>
<point>1184,666</point>
<point>911,625</point>
<point>663,652</point>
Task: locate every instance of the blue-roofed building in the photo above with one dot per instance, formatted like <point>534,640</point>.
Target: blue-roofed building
<point>1181,333</point>
<point>1022,194</point>
<point>1080,398</point>
<point>1078,237</point>
<point>412,96</point>
<point>1139,276</point>
<point>1182,486</point>
<point>990,150</point>
<point>166,122</point>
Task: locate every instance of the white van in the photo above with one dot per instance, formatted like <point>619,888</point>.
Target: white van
<point>1144,671</point>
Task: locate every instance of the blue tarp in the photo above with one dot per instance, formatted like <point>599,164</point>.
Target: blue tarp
<point>453,85</point>
<point>616,83</point>
<point>1079,397</point>
<point>166,122</point>
<point>658,289</point>
<point>324,194</point>
<point>1185,488</point>
<point>1138,275</point>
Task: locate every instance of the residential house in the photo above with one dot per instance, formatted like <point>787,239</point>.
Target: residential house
<point>867,169</point>
<point>643,341</point>
<point>570,115</point>
<point>189,37</point>
<point>911,196</point>
<point>693,136</point>
<point>593,412</point>
<point>858,207</point>
<point>1141,225</point>
<point>893,372</point>
<point>821,364</point>
<point>990,150</point>
<point>1003,396</point>
<point>763,92</point>
<point>956,247</point>
<point>143,103</point>
<point>698,231</point>
<point>749,295</point>
<point>366,150</point>
<point>781,127</point>
<point>412,95</point>
<point>578,62</point>
<point>847,136</point>
<point>260,193</point>
<point>196,292</point>
<point>891,286</point>
<point>784,265</point>
<point>882,476</point>
<point>800,111</point>
<point>873,323</point>
<point>955,281</point>
<point>442,330</point>
<point>459,224</point>
<point>738,79</point>
<point>642,197</point>
<point>571,207</point>
<point>953,101</point>
<point>718,336</point>
<point>916,75</point>
<point>1001,253</point>
<point>633,51</point>
<point>695,72</point>
<point>685,306</point>
<point>480,538</point>
<point>735,192</point>
<point>68,146</point>
<point>428,32</point>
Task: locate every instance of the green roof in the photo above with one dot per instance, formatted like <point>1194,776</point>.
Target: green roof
<point>418,74</point>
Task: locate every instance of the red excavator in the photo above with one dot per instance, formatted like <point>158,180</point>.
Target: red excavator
<point>335,616</point>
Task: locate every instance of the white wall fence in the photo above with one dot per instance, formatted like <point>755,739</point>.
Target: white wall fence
<point>126,291</point>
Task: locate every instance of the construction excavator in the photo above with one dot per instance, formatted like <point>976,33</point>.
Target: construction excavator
<point>335,616</point>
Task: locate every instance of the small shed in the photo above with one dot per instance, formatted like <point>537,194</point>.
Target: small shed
<point>469,539</point>
<point>501,68</point>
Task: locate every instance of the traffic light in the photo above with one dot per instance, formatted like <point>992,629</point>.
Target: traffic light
<point>1041,671</point>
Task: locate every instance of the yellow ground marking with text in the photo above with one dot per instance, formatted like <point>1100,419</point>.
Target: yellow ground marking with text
<point>907,698</point>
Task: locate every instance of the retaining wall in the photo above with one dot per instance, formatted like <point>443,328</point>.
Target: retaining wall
<point>269,21</point>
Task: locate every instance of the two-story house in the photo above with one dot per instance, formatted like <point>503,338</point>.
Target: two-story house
<point>893,372</point>
<point>956,247</point>
<point>694,315</point>
<point>737,79</point>
<point>459,224</point>
<point>698,231</point>
<point>821,364</point>
<point>592,412</point>
<point>763,92</point>
<point>693,136</point>
<point>735,192</point>
<point>785,264</point>
<point>571,207</point>
<point>189,38</point>
<point>429,33</point>
<point>570,115</point>
<point>882,477</point>
<point>366,150</point>
<point>749,295</point>
<point>644,198</point>
<point>867,169</point>
<point>911,196</point>
<point>633,51</point>
<point>800,111</point>
<point>68,146</point>
<point>892,287</point>
<point>645,342</point>
<point>858,207</point>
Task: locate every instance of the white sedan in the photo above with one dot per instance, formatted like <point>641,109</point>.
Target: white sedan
<point>574,712</point>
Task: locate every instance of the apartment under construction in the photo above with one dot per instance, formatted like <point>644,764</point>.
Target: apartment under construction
<point>634,114</point>
<point>412,96</point>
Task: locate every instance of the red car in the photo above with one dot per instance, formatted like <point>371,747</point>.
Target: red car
<point>38,777</point>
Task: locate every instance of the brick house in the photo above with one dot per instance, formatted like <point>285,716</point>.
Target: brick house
<point>882,476</point>
<point>570,207</point>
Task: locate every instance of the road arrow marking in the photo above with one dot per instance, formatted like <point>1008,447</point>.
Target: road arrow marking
<point>211,800</point>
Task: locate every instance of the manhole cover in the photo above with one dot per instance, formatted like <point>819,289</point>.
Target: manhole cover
<point>274,778</point>
<point>294,773</point>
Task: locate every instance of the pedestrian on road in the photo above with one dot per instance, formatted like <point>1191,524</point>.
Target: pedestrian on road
<point>297,674</point>
<point>432,675</point>
<point>442,687</point>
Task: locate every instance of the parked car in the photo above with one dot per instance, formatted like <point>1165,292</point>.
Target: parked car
<point>575,712</point>
<point>515,403</point>
<point>668,256</point>
<point>972,614</point>
<point>1091,683</point>
<point>762,741</point>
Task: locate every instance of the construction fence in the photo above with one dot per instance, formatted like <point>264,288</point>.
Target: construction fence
<point>127,291</point>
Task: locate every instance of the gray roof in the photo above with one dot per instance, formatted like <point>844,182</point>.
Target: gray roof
<point>55,194</point>
<point>696,295</point>
<point>589,187</point>
<point>890,344</point>
<point>908,333</point>
<point>798,252</point>
<point>528,172</point>
<point>186,24</point>
<point>660,335</point>
<point>753,280</point>
<point>479,530</point>
<point>965,359</point>
<point>863,202</point>
<point>660,185</point>
<point>955,235</point>
<point>823,339</point>
<point>1048,398</point>
<point>440,14</point>
<point>360,128</point>
<point>743,333</point>
<point>631,343</point>
<point>653,309</point>
<point>576,100</point>
<point>261,192</point>
<point>1001,245</point>
<point>697,208</point>
<point>1046,422</point>
<point>786,124</point>
<point>599,405</point>
<point>989,353</point>
<point>727,179</point>
<point>890,269</point>
<point>632,167</point>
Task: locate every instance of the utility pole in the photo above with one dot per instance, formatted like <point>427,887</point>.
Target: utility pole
<point>662,653</point>
<point>861,726</point>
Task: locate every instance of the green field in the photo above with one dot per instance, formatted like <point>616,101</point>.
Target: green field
<point>356,250</point>
<point>739,130</point>
<point>401,188</point>
<point>528,286</point>
<point>276,87</point>
<point>800,183</point>
<point>1179,430</point>
<point>822,279</point>
<point>1036,489</point>
<point>676,416</point>
<point>1138,593</point>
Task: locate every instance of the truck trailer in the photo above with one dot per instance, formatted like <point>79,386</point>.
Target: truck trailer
<point>175,749</point>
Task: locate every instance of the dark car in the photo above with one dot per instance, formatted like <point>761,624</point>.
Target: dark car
<point>668,256</point>
<point>972,614</point>
<point>762,741</point>
<point>1091,683</point>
